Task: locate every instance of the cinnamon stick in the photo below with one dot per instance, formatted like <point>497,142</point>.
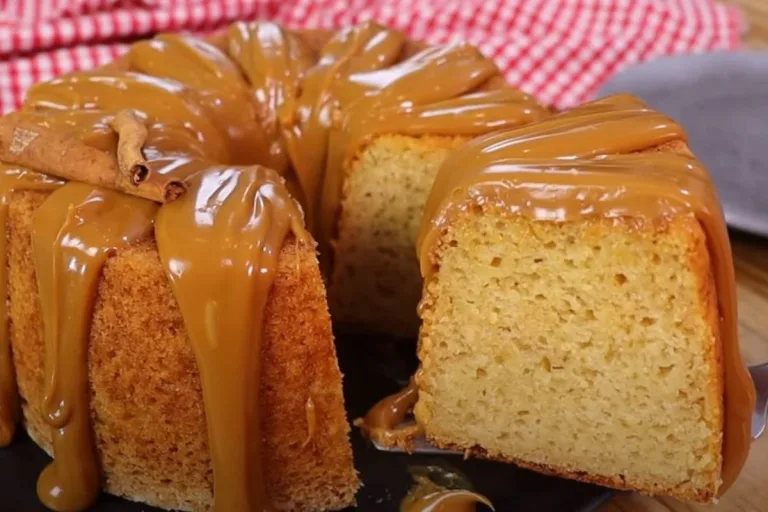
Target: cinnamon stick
<point>132,134</point>
<point>23,142</point>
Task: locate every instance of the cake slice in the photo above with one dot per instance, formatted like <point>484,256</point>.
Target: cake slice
<point>579,309</point>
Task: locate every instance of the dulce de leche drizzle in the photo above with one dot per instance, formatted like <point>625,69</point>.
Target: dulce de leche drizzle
<point>220,245</point>
<point>594,161</point>
<point>214,82</point>
<point>12,179</point>
<point>427,496</point>
<point>274,61</point>
<point>390,411</point>
<point>160,100</point>
<point>269,101</point>
<point>446,500</point>
<point>75,230</point>
<point>306,120</point>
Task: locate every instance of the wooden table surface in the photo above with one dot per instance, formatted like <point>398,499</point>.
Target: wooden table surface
<point>750,492</point>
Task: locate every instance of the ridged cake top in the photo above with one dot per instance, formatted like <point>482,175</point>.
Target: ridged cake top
<point>612,158</point>
<point>204,116</point>
<point>266,98</point>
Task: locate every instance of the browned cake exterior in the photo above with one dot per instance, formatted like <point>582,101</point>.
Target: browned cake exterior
<point>146,399</point>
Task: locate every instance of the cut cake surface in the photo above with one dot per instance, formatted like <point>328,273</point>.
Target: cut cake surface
<point>586,350</point>
<point>375,285</point>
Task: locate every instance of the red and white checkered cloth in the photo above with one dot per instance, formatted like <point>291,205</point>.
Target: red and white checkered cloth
<point>559,50</point>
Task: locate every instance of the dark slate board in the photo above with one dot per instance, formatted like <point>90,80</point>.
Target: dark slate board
<point>372,370</point>
<point>721,99</point>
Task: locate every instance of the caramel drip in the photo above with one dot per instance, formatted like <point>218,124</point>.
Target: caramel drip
<point>286,112</point>
<point>274,61</point>
<point>389,412</point>
<point>593,161</point>
<point>12,179</point>
<point>310,410</point>
<point>75,230</point>
<point>220,245</point>
<point>428,496</point>
<point>325,87</point>
<point>447,500</point>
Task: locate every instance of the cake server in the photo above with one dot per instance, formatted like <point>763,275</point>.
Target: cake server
<point>759,373</point>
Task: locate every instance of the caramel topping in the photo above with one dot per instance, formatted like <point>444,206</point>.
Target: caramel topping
<point>274,62</point>
<point>448,500</point>
<point>211,81</point>
<point>75,231</point>
<point>311,413</point>
<point>220,245</point>
<point>326,86</point>
<point>12,179</point>
<point>438,91</point>
<point>357,83</point>
<point>592,161</point>
<point>427,496</point>
<point>391,411</point>
<point>157,99</point>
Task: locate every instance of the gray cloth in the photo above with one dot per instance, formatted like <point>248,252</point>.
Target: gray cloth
<point>721,99</point>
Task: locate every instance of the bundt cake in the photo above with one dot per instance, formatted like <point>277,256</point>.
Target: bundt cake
<point>579,312</point>
<point>167,328</point>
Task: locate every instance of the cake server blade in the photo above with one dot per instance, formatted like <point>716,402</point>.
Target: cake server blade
<point>759,374</point>
<point>420,446</point>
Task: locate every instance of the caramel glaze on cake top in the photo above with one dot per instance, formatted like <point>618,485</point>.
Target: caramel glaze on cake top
<point>301,115</point>
<point>214,113</point>
<point>588,162</point>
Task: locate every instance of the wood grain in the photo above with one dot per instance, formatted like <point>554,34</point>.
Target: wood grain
<point>756,12</point>
<point>750,492</point>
